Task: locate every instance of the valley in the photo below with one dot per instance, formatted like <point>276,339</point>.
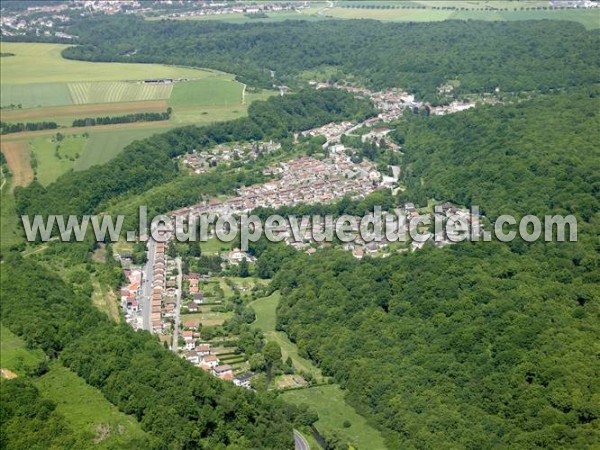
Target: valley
<point>466,324</point>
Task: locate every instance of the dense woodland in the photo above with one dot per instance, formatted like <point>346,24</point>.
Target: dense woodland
<point>482,56</point>
<point>480,345</point>
<point>536,157</point>
<point>179,405</point>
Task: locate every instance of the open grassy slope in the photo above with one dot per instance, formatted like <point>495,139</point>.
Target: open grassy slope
<point>333,410</point>
<point>86,410</point>
<point>14,356</point>
<point>265,309</point>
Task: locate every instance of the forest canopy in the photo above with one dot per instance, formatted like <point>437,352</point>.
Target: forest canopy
<point>420,57</point>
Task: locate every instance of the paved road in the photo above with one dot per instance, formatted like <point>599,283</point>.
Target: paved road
<point>174,346</point>
<point>300,443</point>
<point>147,287</point>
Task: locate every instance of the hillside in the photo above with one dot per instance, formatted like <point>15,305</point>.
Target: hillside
<point>420,57</point>
<point>480,345</point>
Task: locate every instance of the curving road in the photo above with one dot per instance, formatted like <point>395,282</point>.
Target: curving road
<point>300,443</point>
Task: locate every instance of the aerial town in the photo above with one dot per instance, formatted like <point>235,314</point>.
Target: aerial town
<point>160,298</point>
<point>49,20</point>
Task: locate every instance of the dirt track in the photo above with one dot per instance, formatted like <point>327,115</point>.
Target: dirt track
<point>79,130</point>
<point>81,110</point>
<point>17,158</point>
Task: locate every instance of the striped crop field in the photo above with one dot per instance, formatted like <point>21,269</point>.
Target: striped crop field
<point>117,91</point>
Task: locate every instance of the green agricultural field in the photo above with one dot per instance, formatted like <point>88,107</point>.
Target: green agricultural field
<point>207,92</point>
<point>118,91</point>
<point>13,354</point>
<point>103,145</point>
<point>588,18</point>
<point>34,95</point>
<point>43,63</point>
<point>201,113</point>
<point>265,309</point>
<point>472,10</point>
<point>333,410</point>
<point>56,157</point>
<point>87,411</point>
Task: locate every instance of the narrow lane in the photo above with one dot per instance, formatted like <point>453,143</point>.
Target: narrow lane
<point>147,286</point>
<point>174,345</point>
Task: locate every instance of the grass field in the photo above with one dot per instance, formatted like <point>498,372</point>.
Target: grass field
<point>18,160</point>
<point>13,354</point>
<point>392,15</point>
<point>306,14</point>
<point>56,157</point>
<point>214,247</point>
<point>333,410</point>
<point>208,319</point>
<point>105,144</point>
<point>265,309</point>
<point>118,91</point>
<point>86,409</point>
<point>43,63</point>
<point>208,92</point>
<point>106,300</point>
<point>34,95</point>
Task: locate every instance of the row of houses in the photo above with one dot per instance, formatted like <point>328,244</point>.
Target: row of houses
<point>202,357</point>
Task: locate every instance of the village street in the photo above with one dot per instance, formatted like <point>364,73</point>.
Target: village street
<point>175,346</point>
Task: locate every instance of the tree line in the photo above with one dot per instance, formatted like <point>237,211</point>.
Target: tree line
<point>7,128</point>
<point>128,118</point>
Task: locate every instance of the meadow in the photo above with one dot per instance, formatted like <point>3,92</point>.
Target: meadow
<point>265,309</point>
<point>14,355</point>
<point>328,401</point>
<point>55,157</point>
<point>206,92</point>
<point>38,76</point>
<point>9,233</point>
<point>103,145</point>
<point>35,95</point>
